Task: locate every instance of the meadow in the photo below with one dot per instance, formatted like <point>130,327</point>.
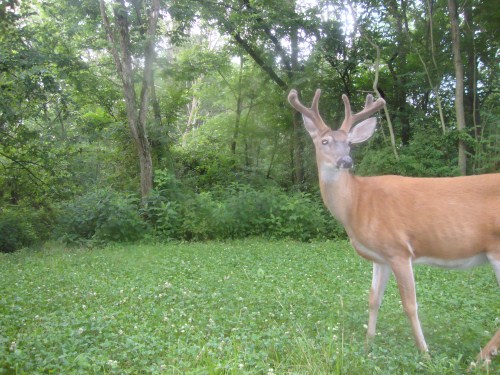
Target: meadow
<point>238,307</point>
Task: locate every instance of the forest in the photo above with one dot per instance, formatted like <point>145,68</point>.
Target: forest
<point>167,119</point>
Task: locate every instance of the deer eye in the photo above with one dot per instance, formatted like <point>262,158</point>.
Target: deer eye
<point>324,141</point>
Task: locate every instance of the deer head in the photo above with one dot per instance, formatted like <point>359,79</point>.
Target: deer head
<point>333,146</point>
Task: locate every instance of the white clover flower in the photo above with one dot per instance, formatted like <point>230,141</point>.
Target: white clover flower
<point>13,346</point>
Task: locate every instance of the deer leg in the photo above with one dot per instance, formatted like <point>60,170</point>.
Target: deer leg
<point>495,263</point>
<point>493,345</point>
<point>403,271</point>
<point>381,274</point>
<point>491,348</point>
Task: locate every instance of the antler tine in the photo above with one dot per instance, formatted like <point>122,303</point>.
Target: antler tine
<point>370,108</point>
<point>315,102</point>
<point>347,123</point>
<point>311,112</point>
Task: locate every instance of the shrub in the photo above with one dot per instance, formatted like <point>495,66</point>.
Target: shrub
<point>201,218</point>
<point>302,218</point>
<point>16,230</point>
<point>101,215</point>
<point>238,211</point>
<point>429,154</point>
<point>164,216</point>
<point>197,217</point>
<point>246,211</point>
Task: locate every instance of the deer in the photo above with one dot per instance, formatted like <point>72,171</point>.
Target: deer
<point>397,222</point>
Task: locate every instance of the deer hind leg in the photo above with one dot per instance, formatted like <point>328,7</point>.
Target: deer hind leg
<point>493,345</point>
<point>381,274</point>
<point>403,271</point>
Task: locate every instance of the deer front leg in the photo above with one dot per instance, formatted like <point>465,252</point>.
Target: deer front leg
<point>403,271</point>
<point>491,348</point>
<point>381,274</point>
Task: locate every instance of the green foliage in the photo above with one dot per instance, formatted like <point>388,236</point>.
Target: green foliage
<point>429,154</point>
<point>16,229</point>
<point>207,166</point>
<point>100,215</point>
<point>218,116</point>
<point>233,307</point>
<point>174,211</point>
<point>235,211</point>
<point>301,217</point>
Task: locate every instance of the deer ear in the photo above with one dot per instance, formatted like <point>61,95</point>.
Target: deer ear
<point>363,131</point>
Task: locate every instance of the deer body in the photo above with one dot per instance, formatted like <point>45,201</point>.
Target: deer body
<point>441,234</point>
<point>397,222</point>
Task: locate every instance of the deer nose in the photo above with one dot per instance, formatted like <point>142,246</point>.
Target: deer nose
<point>344,162</point>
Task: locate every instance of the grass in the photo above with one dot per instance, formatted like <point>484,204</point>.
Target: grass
<point>239,307</point>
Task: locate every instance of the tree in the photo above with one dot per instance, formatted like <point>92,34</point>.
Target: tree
<point>121,50</point>
<point>37,67</point>
<point>66,95</point>
<point>260,29</point>
<point>459,83</point>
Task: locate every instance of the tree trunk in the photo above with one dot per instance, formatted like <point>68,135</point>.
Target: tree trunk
<point>245,132</point>
<point>239,108</point>
<point>136,111</point>
<point>193,110</point>
<point>298,129</point>
<point>434,86</point>
<point>398,67</point>
<point>459,86</point>
<point>471,105</point>
<point>296,150</point>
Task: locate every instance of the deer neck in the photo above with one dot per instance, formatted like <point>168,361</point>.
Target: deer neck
<point>338,188</point>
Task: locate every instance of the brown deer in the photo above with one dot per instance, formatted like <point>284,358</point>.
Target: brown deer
<point>397,222</point>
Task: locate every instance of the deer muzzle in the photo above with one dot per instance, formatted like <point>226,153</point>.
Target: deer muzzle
<point>345,162</point>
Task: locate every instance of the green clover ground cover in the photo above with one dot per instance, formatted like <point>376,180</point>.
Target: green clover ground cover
<point>239,307</point>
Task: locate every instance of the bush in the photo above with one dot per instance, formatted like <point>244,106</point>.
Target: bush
<point>101,215</point>
<point>429,154</point>
<point>175,212</point>
<point>303,218</point>
<point>238,211</point>
<point>247,212</point>
<point>163,215</point>
<point>196,217</point>
<point>16,230</point>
